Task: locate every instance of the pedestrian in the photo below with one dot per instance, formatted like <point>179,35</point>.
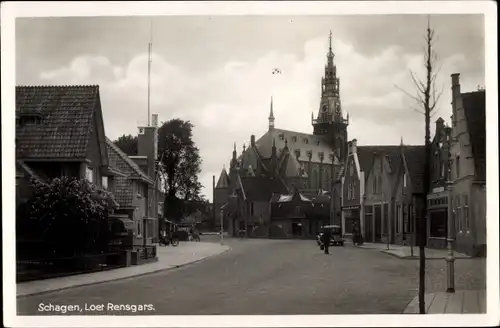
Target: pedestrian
<point>327,234</point>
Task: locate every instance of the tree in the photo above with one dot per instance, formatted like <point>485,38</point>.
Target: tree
<point>128,144</point>
<point>179,165</point>
<point>426,98</point>
<point>70,215</point>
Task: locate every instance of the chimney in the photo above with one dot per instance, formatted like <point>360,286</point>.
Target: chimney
<point>147,145</point>
<point>252,140</point>
<point>354,146</point>
<point>439,126</point>
<point>455,96</point>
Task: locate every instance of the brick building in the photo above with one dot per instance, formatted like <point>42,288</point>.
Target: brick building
<point>468,168</point>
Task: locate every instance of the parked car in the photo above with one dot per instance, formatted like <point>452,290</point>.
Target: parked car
<point>337,239</point>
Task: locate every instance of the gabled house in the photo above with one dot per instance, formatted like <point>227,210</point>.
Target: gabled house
<point>383,166</point>
<point>408,195</point>
<point>131,192</point>
<point>468,169</point>
<point>438,198</point>
<point>60,132</point>
<point>298,215</point>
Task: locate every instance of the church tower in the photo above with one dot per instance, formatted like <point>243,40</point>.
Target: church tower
<point>330,120</point>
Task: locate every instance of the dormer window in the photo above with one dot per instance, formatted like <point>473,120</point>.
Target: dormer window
<point>317,143</point>
<point>282,137</point>
<point>294,139</point>
<point>297,152</point>
<point>306,141</point>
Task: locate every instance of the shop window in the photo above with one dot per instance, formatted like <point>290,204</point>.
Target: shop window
<point>438,223</point>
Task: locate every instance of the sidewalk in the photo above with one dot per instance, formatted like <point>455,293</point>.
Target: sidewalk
<point>168,258</point>
<point>404,252</point>
<point>464,301</point>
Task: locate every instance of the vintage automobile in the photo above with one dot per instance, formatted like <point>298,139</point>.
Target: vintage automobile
<point>336,235</point>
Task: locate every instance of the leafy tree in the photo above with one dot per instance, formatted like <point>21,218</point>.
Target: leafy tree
<point>128,144</point>
<point>179,165</point>
<point>70,215</point>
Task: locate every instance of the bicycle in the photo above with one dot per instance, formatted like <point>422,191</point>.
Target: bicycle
<point>165,241</point>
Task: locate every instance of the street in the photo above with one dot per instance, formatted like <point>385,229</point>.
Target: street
<point>260,277</point>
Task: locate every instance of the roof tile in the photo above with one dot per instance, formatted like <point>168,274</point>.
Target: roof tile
<point>66,120</point>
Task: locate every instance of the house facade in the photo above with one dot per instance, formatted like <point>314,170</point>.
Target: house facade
<point>381,178</point>
<point>468,169</point>
<point>439,197</point>
<point>60,132</point>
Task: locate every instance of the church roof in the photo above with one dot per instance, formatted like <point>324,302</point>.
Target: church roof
<point>223,181</point>
<point>303,142</point>
<point>289,167</point>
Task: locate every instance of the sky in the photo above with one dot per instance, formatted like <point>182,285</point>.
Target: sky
<point>216,71</point>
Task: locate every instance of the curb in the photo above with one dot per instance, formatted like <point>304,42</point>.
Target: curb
<point>121,278</point>
<point>409,257</point>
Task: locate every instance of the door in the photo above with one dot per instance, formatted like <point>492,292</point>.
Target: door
<point>368,228</point>
<point>378,223</point>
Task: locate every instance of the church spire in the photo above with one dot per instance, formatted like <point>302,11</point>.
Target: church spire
<point>271,116</point>
<point>330,52</point>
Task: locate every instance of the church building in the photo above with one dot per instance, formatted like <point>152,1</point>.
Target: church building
<point>287,163</point>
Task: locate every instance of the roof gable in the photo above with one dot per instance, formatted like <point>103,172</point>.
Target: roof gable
<point>67,114</point>
<point>475,107</point>
<point>124,163</point>
<point>414,163</point>
<point>223,181</point>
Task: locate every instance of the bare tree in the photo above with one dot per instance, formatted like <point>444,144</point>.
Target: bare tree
<point>426,97</point>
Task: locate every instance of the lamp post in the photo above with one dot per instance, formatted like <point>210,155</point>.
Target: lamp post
<point>222,226</point>
<point>450,258</point>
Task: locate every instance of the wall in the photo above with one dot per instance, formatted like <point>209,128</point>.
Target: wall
<point>461,153</point>
<point>93,154</point>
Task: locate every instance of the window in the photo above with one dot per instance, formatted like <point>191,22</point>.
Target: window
<point>89,174</point>
<point>404,180</point>
<point>398,218</point>
<point>406,225</point>
<point>466,212</point>
<point>251,208</point>
<point>438,223</point>
<point>105,182</point>
<point>282,137</point>
<point>411,219</point>
<point>140,192</point>
<point>458,214</point>
<point>297,210</point>
<point>139,226</point>
<point>306,141</point>
<point>442,170</point>
<point>457,166</point>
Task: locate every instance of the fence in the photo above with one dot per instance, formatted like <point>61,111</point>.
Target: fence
<point>35,261</point>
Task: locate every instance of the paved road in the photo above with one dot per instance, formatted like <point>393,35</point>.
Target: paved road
<point>271,277</point>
